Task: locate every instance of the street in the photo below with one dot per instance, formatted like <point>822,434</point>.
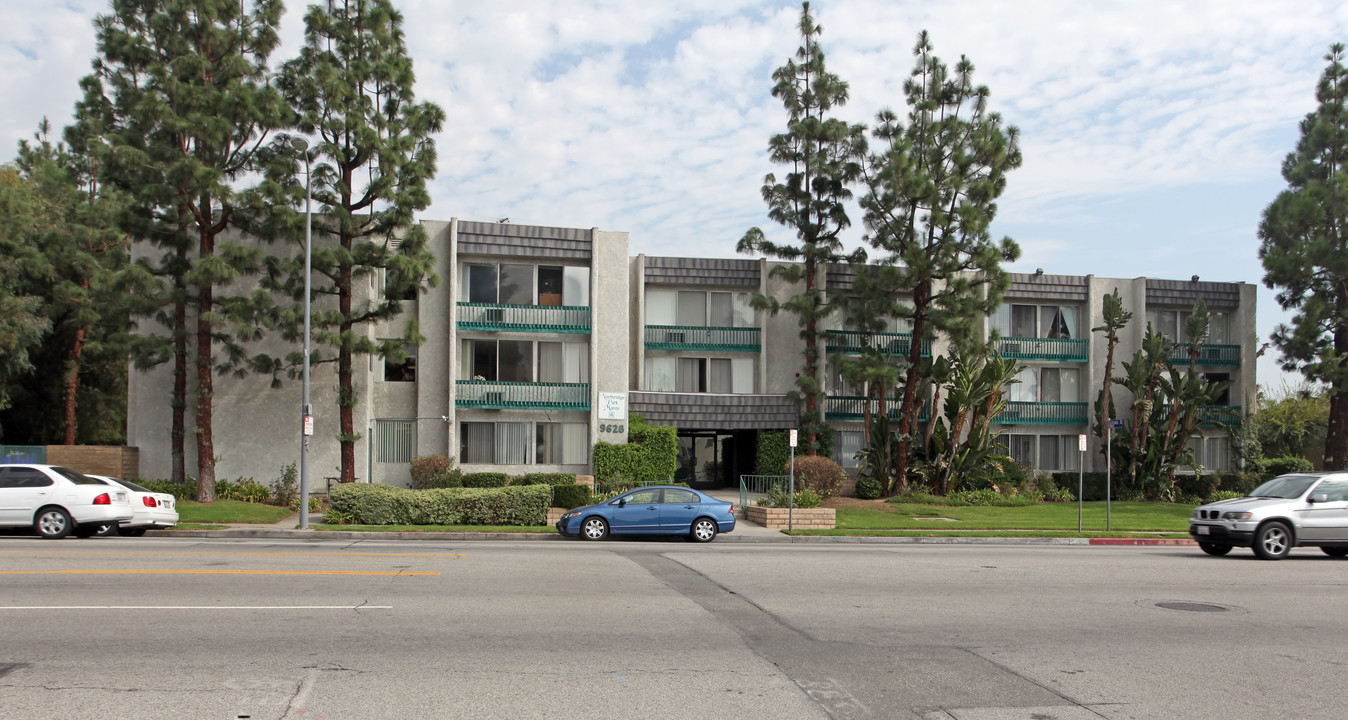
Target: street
<point>187,628</point>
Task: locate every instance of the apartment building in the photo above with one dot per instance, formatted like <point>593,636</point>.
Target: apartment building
<point>540,341</point>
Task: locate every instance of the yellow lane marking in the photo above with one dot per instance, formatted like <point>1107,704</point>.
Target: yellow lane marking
<point>219,572</point>
<point>166,552</point>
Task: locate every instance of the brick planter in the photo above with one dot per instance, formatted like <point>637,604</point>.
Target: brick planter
<point>802,518</point>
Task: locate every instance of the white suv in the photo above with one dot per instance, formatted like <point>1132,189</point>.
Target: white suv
<point>57,501</point>
<point>1305,509</point>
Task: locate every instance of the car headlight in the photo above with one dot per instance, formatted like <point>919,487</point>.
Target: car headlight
<point>1237,515</point>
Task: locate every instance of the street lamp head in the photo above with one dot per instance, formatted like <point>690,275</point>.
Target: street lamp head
<point>299,143</point>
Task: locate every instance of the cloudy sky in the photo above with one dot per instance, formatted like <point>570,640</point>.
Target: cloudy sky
<point>1152,131</point>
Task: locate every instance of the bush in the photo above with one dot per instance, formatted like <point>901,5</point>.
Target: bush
<point>427,468</point>
<point>868,488</point>
<point>371,504</point>
<point>919,496</point>
<point>1273,467</point>
<point>819,474</point>
<point>545,479</point>
<point>780,498</point>
<point>242,489</point>
<point>773,453</point>
<point>650,454</point>
<point>485,480</point>
<point>1093,484</point>
<point>283,490</point>
<point>180,491</point>
<point>449,478</point>
<point>1224,495</point>
<point>571,496</point>
<point>992,497</point>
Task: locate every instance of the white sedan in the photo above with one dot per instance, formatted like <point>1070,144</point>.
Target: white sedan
<point>150,509</point>
<point>57,501</point>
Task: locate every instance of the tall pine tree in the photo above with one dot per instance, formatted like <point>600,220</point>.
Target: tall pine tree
<point>1304,247</point>
<point>821,154</point>
<point>189,104</point>
<point>931,191</point>
<point>352,89</point>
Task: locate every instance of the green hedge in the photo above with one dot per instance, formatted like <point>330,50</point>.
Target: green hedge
<point>486,480</point>
<point>1199,486</point>
<point>545,479</point>
<point>773,453</point>
<point>571,496</point>
<point>650,455</point>
<point>374,504</point>
<point>181,491</point>
<point>1273,467</point>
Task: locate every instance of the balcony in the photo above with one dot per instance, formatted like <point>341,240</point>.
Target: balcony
<point>1208,355</point>
<point>852,341</point>
<point>492,395</point>
<point>1043,349</point>
<point>853,407</point>
<point>1215,415</point>
<point>693,337</point>
<point>493,317</point>
<point>1042,413</point>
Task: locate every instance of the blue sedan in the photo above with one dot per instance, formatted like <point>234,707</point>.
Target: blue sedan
<point>652,511</point>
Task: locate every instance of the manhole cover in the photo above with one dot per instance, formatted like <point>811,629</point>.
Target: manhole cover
<point>1190,607</point>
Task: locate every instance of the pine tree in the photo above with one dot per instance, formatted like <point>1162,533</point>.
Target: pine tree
<point>352,88</point>
<point>189,104</point>
<point>821,153</point>
<point>1304,248</point>
<point>931,192</point>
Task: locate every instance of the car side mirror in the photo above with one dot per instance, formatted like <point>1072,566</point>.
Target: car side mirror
<point>1318,498</point>
<point>622,502</point>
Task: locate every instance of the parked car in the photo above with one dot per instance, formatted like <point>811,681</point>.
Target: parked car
<point>149,509</point>
<point>58,501</point>
<point>652,511</point>
<point>1304,509</point>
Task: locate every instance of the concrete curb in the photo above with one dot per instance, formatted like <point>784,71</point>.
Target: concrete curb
<point>278,534</point>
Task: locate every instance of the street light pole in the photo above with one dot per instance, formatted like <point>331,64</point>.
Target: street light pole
<point>302,145</point>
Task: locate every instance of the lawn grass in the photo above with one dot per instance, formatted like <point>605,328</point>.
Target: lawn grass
<point>230,511</point>
<point>441,528</point>
<point>991,534</point>
<point>1058,517</point>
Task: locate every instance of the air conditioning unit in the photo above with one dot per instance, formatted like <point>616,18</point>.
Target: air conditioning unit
<point>1212,354</point>
<point>494,315</point>
<point>675,336</point>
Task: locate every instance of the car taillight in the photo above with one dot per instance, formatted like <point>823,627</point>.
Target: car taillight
<point>103,500</point>
<point>149,501</point>
<point>732,508</point>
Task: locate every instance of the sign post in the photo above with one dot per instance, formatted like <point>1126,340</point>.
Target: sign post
<point>791,488</point>
<point>1081,475</point>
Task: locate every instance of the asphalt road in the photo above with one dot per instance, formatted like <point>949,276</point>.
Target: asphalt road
<point>227,629</point>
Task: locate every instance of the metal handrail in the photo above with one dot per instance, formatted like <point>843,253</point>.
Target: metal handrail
<point>760,484</point>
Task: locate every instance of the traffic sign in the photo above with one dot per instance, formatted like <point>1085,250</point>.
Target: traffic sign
<point>1116,423</point>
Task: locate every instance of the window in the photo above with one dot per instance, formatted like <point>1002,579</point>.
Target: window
<point>560,362</point>
<point>644,497</point>
<point>1042,452</point>
<point>562,443</point>
<point>404,370</point>
<point>674,495</point>
<point>522,284</point>
<point>1212,453</point>
<point>394,287</point>
<point>503,443</point>
<point>1046,385</point>
<point>849,444</point>
<point>1037,321</point>
<point>699,308</point>
<point>699,375</point>
<point>1174,325</point>
<point>1335,490</point>
<point>395,441</point>
<point>1223,397</point>
<point>514,361</point>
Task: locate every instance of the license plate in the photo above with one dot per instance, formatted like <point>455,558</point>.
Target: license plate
<point>1202,529</point>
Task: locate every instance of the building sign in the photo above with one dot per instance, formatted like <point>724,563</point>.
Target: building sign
<point>613,406</point>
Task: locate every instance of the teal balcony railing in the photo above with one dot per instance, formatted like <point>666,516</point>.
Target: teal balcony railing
<point>852,341</point>
<point>853,407</point>
<point>1042,413</point>
<point>492,395</point>
<point>523,318</point>
<point>1208,355</point>
<point>694,337</point>
<point>1046,349</point>
<point>1212,415</point>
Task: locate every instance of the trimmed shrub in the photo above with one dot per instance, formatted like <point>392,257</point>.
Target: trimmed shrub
<point>650,454</point>
<point>819,474</point>
<point>1199,486</point>
<point>1093,484</point>
<point>773,453</point>
<point>1224,495</point>
<point>242,489</point>
<point>370,504</point>
<point>450,478</point>
<point>180,491</point>
<point>1273,467</point>
<point>427,468</point>
<point>571,496</point>
<point>545,479</point>
<point>778,497</point>
<point>868,488</point>
<point>485,480</point>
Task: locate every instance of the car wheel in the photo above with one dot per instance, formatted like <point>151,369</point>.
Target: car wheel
<point>594,528</point>
<point>704,530</point>
<point>1214,549</point>
<point>1273,541</point>
<point>1335,552</point>
<point>106,530</point>
<point>86,531</point>
<point>53,523</point>
<point>131,532</point>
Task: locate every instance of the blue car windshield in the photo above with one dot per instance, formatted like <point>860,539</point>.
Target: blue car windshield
<point>1285,487</point>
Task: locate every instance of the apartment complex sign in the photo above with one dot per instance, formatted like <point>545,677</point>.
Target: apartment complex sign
<point>613,414</point>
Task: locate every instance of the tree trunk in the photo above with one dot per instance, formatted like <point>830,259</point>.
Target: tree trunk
<point>907,408</point>
<point>345,385</point>
<point>205,380</point>
<point>811,361</point>
<point>1336,433</point>
<point>179,399</point>
<point>73,383</point>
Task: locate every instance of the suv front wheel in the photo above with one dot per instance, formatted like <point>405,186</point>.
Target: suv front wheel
<point>1273,541</point>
